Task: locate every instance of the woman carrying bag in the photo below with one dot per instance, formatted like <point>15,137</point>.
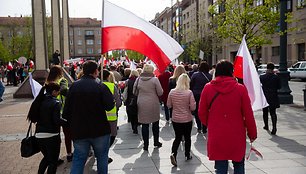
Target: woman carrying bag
<point>48,127</point>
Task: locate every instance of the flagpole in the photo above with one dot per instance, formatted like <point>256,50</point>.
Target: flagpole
<point>102,25</point>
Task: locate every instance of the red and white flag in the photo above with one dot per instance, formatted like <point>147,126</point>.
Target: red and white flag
<point>244,68</point>
<point>121,29</point>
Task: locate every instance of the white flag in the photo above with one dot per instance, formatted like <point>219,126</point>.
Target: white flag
<point>250,78</point>
<point>201,55</point>
<point>35,86</point>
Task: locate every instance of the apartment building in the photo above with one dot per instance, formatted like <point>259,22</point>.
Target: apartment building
<point>194,20</point>
<point>85,37</point>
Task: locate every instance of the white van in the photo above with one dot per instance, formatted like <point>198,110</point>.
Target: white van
<point>298,70</point>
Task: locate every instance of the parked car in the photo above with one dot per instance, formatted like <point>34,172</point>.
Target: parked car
<point>298,70</point>
<point>261,69</point>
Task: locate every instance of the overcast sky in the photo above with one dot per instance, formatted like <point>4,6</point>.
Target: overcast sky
<point>87,8</point>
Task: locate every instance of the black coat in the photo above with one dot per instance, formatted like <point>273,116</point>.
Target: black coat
<point>49,120</point>
<point>85,107</point>
<point>270,84</point>
<point>197,82</point>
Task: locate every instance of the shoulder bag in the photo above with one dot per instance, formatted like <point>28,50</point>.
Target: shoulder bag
<point>29,145</point>
<point>133,103</point>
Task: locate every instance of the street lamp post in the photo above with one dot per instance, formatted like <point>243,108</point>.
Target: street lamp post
<point>284,93</point>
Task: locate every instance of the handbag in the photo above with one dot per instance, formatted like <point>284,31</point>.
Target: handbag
<point>29,145</point>
<point>133,103</point>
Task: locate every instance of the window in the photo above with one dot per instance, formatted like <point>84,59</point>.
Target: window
<point>71,42</point>
<point>301,51</point>
<point>259,2</point>
<point>19,33</point>
<point>71,33</point>
<point>99,42</point>
<point>89,42</point>
<point>99,32</point>
<point>301,3</point>
<point>89,50</point>
<point>289,5</point>
<point>80,51</point>
<point>275,51</point>
<point>79,32</point>
<point>89,32</point>
<point>99,51</point>
<point>79,42</point>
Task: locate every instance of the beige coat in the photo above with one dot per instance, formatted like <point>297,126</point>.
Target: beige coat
<point>149,90</point>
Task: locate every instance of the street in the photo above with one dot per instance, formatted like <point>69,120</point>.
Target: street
<point>297,87</point>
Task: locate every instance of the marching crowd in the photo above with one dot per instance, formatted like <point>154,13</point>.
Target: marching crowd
<point>88,111</point>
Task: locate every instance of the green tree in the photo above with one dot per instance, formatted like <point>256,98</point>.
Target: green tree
<point>19,43</point>
<point>234,18</point>
<point>4,54</point>
<point>133,55</point>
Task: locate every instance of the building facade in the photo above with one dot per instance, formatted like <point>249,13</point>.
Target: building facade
<point>194,21</point>
<point>85,38</point>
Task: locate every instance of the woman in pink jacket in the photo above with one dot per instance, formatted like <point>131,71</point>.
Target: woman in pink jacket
<point>225,109</point>
<point>182,102</point>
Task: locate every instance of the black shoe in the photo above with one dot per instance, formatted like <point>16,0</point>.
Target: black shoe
<point>69,157</point>
<point>188,157</point>
<point>204,131</point>
<point>135,131</point>
<point>59,162</point>
<point>173,160</point>
<point>158,144</point>
<point>109,160</point>
<point>273,132</point>
<point>266,128</point>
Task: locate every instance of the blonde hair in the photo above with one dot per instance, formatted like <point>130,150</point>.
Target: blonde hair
<point>148,68</point>
<point>178,71</point>
<point>139,70</point>
<point>134,73</point>
<point>183,82</point>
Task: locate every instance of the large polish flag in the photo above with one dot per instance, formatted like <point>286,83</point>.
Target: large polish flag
<point>244,68</point>
<point>121,29</point>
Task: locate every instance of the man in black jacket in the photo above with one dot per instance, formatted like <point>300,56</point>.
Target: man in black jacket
<point>84,109</point>
<point>270,84</point>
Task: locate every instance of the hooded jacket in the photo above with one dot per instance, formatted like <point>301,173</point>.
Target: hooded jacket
<point>149,90</point>
<point>228,120</point>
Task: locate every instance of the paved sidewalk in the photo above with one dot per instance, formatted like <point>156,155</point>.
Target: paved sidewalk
<point>283,154</point>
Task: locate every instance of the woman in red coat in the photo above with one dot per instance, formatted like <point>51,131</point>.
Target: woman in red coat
<point>225,109</point>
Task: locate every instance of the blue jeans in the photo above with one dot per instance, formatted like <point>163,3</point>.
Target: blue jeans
<point>81,149</point>
<point>221,167</point>
<point>2,88</point>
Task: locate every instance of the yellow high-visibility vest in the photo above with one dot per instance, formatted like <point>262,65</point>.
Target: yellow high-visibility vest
<point>61,97</point>
<point>111,115</point>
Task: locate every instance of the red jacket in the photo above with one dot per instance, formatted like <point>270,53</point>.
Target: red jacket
<point>229,119</point>
<point>164,81</point>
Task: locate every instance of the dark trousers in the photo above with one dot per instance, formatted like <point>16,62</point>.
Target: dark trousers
<point>68,140</point>
<point>145,133</point>
<point>180,130</point>
<point>195,113</point>
<point>50,148</point>
<point>221,166</point>
<point>272,111</point>
<point>167,111</point>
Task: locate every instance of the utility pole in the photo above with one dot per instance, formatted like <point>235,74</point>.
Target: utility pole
<point>284,93</point>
